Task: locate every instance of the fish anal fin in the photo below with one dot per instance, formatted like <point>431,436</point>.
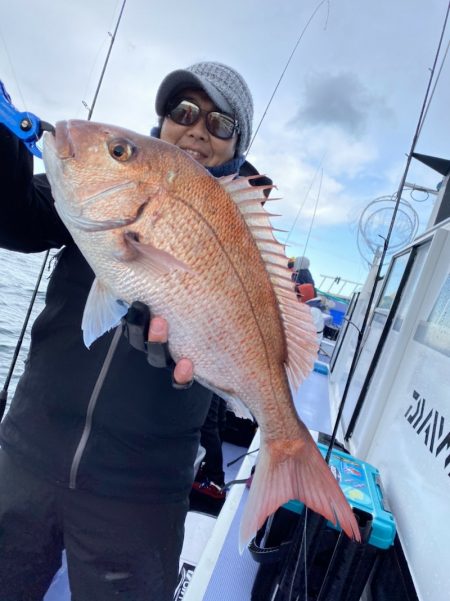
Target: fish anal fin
<point>288,470</point>
<point>234,403</point>
<point>102,312</point>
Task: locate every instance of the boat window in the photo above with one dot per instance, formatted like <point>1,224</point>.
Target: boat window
<point>343,330</point>
<point>392,282</point>
<point>411,285</point>
<point>435,331</point>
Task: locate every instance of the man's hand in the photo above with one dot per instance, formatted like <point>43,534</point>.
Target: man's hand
<point>150,335</point>
<point>158,333</point>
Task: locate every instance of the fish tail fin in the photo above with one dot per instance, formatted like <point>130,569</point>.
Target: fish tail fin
<point>298,473</point>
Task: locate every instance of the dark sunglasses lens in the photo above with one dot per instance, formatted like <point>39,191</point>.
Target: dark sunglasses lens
<point>220,125</point>
<point>185,113</point>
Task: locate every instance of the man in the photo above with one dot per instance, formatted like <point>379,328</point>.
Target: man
<point>104,467</point>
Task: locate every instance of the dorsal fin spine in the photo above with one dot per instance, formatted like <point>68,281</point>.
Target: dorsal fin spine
<point>300,340</point>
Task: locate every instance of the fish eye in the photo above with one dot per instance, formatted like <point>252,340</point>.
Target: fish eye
<point>121,150</point>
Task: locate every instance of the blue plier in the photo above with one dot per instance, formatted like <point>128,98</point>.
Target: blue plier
<point>26,126</point>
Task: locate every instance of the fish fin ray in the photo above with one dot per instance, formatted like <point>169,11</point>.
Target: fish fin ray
<point>250,199</point>
<point>304,476</point>
<point>234,403</point>
<point>102,312</point>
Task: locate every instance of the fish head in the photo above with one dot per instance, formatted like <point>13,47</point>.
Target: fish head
<point>102,176</point>
<point>112,190</point>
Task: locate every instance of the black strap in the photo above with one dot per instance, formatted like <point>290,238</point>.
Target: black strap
<point>263,554</point>
<point>135,327</point>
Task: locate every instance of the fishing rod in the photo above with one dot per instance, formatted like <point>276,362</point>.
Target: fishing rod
<point>401,186</point>
<point>288,587</point>
<point>29,128</point>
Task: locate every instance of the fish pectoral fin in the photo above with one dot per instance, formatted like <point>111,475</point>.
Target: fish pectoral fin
<point>102,312</point>
<point>156,261</point>
<point>286,470</point>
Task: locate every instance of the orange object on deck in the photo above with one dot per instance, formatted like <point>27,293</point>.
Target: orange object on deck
<point>306,292</point>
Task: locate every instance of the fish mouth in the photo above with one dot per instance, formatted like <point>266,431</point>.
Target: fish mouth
<point>59,141</point>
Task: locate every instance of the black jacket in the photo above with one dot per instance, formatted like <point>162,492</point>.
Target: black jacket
<point>144,435</point>
<point>302,276</point>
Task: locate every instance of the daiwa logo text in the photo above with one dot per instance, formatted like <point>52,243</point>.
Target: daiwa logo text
<point>430,425</point>
<point>184,579</point>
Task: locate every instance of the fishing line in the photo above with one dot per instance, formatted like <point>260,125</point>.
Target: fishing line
<point>372,294</point>
<point>304,555</point>
<point>4,391</point>
<point>385,247</point>
<point>305,199</point>
<point>285,69</point>
<point>297,564</point>
<point>246,154</point>
<point>311,225</point>
<point>11,66</point>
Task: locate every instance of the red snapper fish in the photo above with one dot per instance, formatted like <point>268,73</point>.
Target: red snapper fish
<point>156,227</point>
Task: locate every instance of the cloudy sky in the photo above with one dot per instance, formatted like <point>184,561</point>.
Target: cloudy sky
<point>336,135</point>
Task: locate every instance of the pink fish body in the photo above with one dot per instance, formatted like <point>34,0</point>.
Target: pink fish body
<point>156,227</point>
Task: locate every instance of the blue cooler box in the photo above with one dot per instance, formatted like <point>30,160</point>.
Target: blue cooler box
<point>361,484</point>
<point>304,557</point>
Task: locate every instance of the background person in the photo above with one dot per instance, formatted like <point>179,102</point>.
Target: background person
<point>301,276</point>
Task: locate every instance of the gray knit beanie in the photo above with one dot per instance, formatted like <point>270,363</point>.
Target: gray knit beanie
<point>301,263</point>
<point>226,88</point>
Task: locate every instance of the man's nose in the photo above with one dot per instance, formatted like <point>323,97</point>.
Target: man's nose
<point>198,129</point>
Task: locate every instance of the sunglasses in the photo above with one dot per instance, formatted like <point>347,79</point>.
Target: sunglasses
<point>186,112</point>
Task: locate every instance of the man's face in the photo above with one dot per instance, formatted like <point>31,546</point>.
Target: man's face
<point>195,139</point>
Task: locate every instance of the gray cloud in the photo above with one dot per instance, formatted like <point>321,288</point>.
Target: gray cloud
<point>340,100</point>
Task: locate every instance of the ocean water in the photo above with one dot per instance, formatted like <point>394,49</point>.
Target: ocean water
<point>18,277</point>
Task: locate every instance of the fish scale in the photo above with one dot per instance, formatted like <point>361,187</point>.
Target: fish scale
<point>156,227</point>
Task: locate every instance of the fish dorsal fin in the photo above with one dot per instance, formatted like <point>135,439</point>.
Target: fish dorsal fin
<point>299,329</point>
